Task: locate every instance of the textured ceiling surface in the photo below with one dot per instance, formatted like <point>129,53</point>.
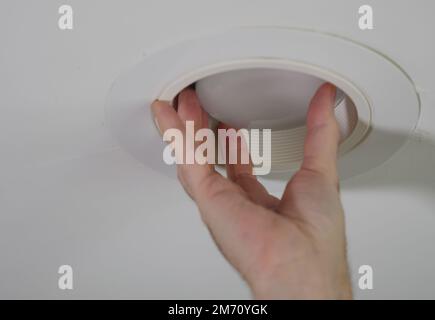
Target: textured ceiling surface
<point>70,195</point>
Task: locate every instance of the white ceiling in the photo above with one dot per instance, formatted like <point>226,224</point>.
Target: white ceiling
<point>69,195</point>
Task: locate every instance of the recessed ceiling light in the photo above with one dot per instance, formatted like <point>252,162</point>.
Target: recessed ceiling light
<point>265,77</point>
<point>272,98</point>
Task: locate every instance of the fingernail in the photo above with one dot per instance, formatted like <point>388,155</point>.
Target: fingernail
<point>156,122</point>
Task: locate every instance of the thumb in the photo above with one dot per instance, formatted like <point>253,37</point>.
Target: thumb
<point>322,138</point>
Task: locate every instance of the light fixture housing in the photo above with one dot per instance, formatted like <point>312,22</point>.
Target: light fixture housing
<point>381,106</point>
<point>273,98</point>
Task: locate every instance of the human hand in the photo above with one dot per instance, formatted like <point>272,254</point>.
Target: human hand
<point>288,248</point>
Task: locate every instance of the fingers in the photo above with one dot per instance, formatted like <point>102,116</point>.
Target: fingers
<point>166,117</point>
<point>256,192</point>
<point>224,206</point>
<point>189,109</point>
<point>241,174</point>
<point>238,168</point>
<point>191,175</point>
<point>322,138</point>
<point>234,221</point>
<point>215,195</point>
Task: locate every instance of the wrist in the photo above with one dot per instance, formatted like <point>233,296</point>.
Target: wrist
<point>304,287</point>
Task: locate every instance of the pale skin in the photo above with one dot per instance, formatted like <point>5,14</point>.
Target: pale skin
<point>288,248</point>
